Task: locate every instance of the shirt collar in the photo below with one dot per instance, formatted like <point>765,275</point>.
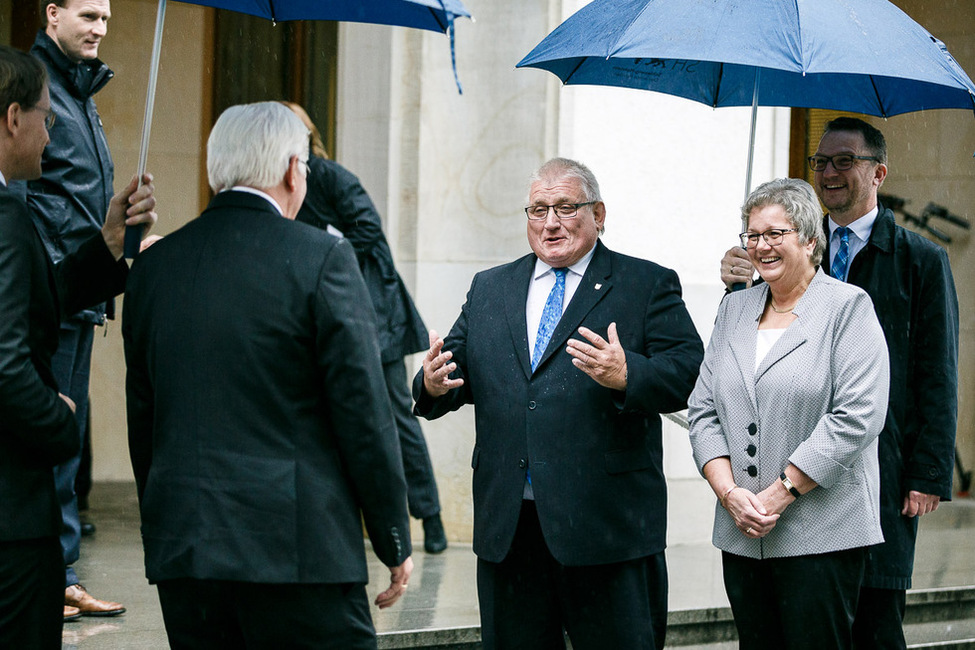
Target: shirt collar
<point>861,227</point>
<point>251,190</point>
<point>579,268</point>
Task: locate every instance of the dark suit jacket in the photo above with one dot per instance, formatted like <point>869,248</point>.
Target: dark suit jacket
<point>259,424</point>
<point>336,198</point>
<point>37,429</point>
<point>909,280</point>
<point>595,454</point>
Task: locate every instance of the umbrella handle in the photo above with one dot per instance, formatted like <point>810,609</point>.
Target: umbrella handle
<point>133,234</point>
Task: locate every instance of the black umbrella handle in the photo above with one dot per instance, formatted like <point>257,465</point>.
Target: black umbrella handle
<point>133,241</point>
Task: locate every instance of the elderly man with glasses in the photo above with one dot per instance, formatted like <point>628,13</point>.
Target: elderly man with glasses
<point>569,355</point>
<point>910,282</point>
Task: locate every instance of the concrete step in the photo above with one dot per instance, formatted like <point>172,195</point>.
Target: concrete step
<point>941,618</point>
<point>935,618</point>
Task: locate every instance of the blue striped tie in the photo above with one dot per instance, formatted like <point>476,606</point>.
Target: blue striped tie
<point>841,261</point>
<point>550,316</point>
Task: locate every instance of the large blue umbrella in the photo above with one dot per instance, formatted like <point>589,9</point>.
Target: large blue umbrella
<point>863,56</point>
<point>435,15</point>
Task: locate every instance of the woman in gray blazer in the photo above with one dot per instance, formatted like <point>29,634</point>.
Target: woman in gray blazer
<point>784,420</point>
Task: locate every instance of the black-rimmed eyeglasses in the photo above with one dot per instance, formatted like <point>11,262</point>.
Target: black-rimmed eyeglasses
<point>562,210</point>
<point>841,162</point>
<point>772,237</point>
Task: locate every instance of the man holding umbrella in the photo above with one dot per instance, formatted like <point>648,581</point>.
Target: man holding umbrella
<point>69,203</point>
<point>911,285</point>
<point>38,428</point>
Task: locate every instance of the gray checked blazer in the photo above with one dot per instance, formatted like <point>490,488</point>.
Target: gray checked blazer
<point>817,400</point>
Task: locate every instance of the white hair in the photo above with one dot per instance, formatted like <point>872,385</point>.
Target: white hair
<point>252,145</point>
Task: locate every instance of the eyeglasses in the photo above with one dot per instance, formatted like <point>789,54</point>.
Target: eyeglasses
<point>49,116</point>
<point>841,162</point>
<point>562,210</point>
<point>304,164</point>
<point>772,237</point>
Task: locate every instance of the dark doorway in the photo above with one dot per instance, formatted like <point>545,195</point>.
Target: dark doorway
<point>256,60</point>
<point>19,22</point>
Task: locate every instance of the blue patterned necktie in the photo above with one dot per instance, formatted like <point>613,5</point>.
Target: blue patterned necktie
<point>550,316</point>
<point>841,262</point>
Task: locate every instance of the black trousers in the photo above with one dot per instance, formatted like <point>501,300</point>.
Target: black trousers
<point>421,486</point>
<point>31,594</point>
<point>220,614</point>
<point>803,602</point>
<point>879,623</point>
<point>529,599</point>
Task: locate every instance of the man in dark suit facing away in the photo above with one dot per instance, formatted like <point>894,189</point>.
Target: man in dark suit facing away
<point>259,425</point>
<point>37,425</point>
<point>569,355</point>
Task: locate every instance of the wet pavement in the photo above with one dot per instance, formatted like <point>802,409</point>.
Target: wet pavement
<point>442,592</point>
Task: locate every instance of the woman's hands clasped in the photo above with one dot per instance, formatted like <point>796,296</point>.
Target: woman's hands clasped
<point>749,512</point>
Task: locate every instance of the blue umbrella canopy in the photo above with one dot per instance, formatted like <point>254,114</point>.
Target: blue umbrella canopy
<point>864,56</point>
<point>435,15</point>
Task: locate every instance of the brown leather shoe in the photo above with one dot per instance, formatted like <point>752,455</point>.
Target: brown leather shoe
<point>71,613</point>
<point>78,596</point>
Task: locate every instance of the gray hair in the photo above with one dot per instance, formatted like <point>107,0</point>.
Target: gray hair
<point>801,206</point>
<point>252,145</point>
<point>563,167</point>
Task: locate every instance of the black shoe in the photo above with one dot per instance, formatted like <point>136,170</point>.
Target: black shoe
<point>434,539</point>
<point>87,529</point>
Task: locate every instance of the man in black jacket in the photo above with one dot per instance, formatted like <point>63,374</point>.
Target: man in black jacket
<point>913,292</point>
<point>69,202</point>
<point>261,437</point>
<point>37,426</point>
<point>569,356</point>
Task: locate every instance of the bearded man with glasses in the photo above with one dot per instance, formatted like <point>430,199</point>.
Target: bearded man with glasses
<point>910,282</point>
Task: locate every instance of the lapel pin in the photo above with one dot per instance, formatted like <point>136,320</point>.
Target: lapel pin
<point>598,286</point>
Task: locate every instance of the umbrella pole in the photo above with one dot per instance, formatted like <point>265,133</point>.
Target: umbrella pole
<point>738,286</point>
<point>751,136</point>
<point>133,235</point>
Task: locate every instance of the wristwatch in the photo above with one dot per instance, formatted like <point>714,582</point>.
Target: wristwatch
<point>789,486</point>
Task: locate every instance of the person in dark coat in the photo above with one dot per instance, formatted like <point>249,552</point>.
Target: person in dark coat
<point>260,432</point>
<point>337,202</point>
<point>910,282</point>
<point>69,202</point>
<point>38,429</point>
<point>569,356</point>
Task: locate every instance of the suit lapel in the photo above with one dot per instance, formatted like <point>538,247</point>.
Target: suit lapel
<point>791,339</point>
<point>743,342</point>
<point>596,283</point>
<point>515,301</point>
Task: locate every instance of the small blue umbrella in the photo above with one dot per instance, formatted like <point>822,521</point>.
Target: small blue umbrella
<point>434,15</point>
<point>863,56</point>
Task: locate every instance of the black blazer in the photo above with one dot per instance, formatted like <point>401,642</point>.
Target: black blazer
<point>595,454</point>
<point>37,429</point>
<point>909,280</point>
<point>336,198</point>
<point>259,424</point>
